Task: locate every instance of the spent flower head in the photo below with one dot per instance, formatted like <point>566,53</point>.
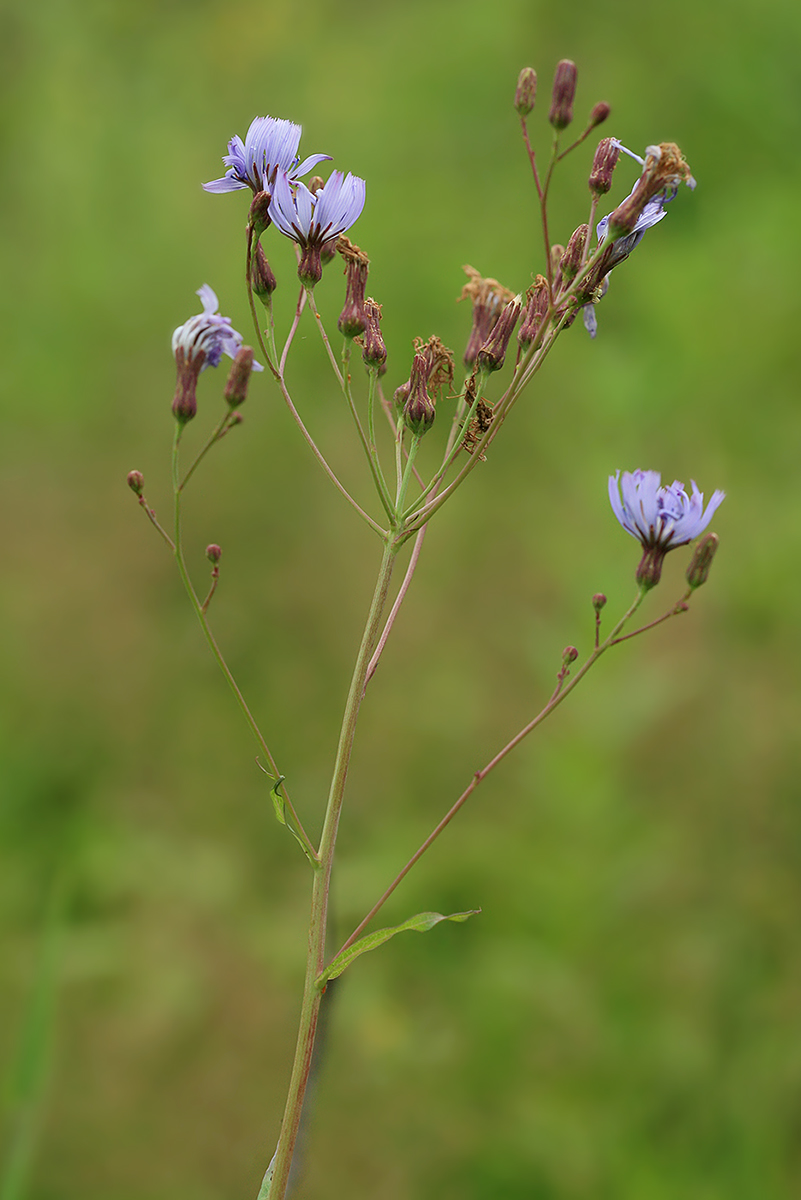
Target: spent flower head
<point>661,518</point>
<point>489,300</point>
<point>270,146</point>
<point>313,219</point>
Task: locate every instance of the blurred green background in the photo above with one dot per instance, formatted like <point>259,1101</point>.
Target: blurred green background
<point>624,1019</point>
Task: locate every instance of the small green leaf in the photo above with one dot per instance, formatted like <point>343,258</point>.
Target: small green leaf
<point>420,924</point>
<point>279,803</point>
<point>279,807</point>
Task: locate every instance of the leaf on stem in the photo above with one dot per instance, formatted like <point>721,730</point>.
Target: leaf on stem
<point>421,923</point>
<point>279,808</point>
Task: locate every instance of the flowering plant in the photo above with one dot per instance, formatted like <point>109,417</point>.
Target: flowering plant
<point>408,495</point>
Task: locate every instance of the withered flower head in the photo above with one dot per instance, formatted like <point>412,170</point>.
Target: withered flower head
<point>664,169</point>
<point>352,319</point>
<point>489,298</point>
<point>418,407</point>
<point>375,352</point>
<point>536,308</point>
<point>492,354</point>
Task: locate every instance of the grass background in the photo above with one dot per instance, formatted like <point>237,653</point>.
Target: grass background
<point>623,1019</point>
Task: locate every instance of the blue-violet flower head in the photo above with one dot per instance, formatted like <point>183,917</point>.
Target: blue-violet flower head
<point>661,518</point>
<point>311,219</point>
<point>199,343</point>
<point>270,146</point>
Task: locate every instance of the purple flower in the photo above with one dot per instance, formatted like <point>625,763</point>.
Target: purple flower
<point>311,219</point>
<point>270,145</point>
<point>200,343</point>
<point>661,518</point>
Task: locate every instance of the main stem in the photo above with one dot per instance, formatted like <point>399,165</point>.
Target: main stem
<point>274,1186</point>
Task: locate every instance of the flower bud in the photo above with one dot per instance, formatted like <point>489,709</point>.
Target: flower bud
<point>526,91</point>
<point>569,655</point>
<point>418,409</point>
<point>604,163</point>
<point>136,482</point>
<point>352,320</point>
<point>236,386</point>
<point>492,354</point>
<point>571,259</point>
<point>328,251</point>
<point>262,279</point>
<point>259,213</point>
<point>599,601</point>
<point>375,352</point>
<point>213,553</point>
<point>701,561</point>
<point>599,114</point>
<point>564,91</point>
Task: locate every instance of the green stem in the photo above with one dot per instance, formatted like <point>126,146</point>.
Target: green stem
<point>215,649</point>
<point>275,1186</point>
<point>556,699</point>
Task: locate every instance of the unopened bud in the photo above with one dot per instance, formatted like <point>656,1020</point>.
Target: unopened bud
<point>136,482</point>
<point>260,213</point>
<point>492,354</point>
<point>328,251</point>
<point>236,386</point>
<point>599,601</point>
<point>569,655</point>
<point>213,553</point>
<point>604,163</point>
<point>599,114</point>
<point>262,279</point>
<point>564,91</point>
<point>701,561</point>
<point>571,259</point>
<point>526,91</point>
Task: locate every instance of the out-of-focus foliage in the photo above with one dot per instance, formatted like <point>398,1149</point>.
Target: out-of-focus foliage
<point>623,1019</point>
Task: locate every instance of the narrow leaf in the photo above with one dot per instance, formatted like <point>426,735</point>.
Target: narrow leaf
<point>420,923</point>
<point>279,803</point>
